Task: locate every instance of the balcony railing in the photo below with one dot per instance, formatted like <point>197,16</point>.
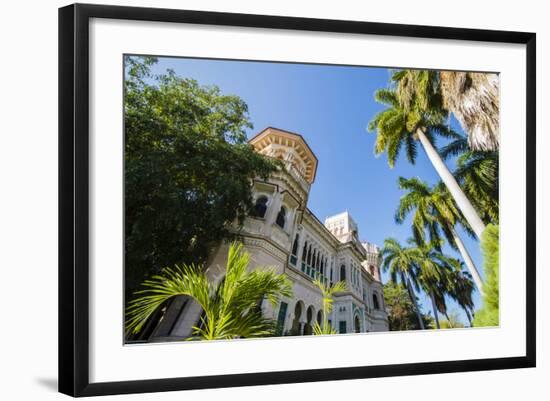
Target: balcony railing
<point>309,270</point>
<point>293,171</point>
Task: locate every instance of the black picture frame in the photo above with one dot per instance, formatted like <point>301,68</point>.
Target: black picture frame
<point>74,198</point>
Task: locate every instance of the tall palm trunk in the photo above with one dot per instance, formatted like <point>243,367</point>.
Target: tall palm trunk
<point>434,307</point>
<point>449,320</point>
<point>413,300</point>
<point>449,180</point>
<point>467,259</point>
<point>469,318</point>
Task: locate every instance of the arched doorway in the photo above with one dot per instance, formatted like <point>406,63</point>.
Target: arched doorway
<point>298,310</point>
<point>357,324</point>
<point>320,317</point>
<point>308,327</point>
<point>375,302</point>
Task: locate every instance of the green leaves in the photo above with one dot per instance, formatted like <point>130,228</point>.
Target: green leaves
<point>328,292</point>
<point>413,102</point>
<point>187,280</point>
<point>433,208</point>
<point>401,311</point>
<point>231,307</point>
<point>477,173</point>
<point>327,329</point>
<point>399,261</point>
<point>188,169</point>
<point>488,315</point>
<point>428,268</point>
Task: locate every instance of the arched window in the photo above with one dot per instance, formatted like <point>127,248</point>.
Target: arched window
<point>294,255</point>
<point>295,245</point>
<point>314,260</point>
<point>304,256</point>
<point>371,268</point>
<point>281,217</point>
<point>375,302</point>
<point>342,273</point>
<point>308,327</point>
<point>296,330</point>
<point>320,317</point>
<point>260,207</point>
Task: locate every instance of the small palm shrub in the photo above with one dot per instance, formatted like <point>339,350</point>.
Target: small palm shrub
<point>231,306</point>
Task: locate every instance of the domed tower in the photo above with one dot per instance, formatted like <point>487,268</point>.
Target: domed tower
<point>280,200</point>
<point>289,147</point>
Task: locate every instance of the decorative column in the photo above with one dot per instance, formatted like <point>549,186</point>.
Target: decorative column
<point>273,210</point>
<point>300,248</point>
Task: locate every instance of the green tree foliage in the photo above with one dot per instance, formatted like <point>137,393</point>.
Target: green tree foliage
<point>441,276</point>
<point>433,210</point>
<point>488,315</point>
<point>231,306</point>
<point>433,275</point>
<point>401,312</point>
<point>188,169</point>
<point>328,292</point>
<point>414,113</point>
<point>477,174</point>
<point>460,287</point>
<point>400,262</point>
<point>413,103</point>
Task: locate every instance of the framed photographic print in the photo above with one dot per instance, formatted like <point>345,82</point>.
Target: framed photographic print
<point>250,199</point>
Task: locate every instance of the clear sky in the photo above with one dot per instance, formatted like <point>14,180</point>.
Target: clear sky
<point>330,106</point>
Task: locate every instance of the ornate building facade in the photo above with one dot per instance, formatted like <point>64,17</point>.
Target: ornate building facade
<point>284,234</point>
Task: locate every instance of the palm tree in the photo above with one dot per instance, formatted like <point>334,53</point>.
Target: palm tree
<point>440,276</point>
<point>474,99</point>
<point>461,288</point>
<point>477,173</point>
<point>328,292</point>
<point>399,261</point>
<point>414,114</point>
<point>434,211</point>
<point>433,275</point>
<point>231,307</point>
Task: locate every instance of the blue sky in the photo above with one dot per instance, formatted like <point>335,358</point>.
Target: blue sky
<point>330,106</point>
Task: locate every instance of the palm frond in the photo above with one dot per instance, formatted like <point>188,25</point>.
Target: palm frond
<point>231,307</point>
<point>455,148</point>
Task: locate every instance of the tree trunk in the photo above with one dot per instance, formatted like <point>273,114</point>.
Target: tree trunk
<point>469,318</point>
<point>449,320</point>
<point>434,307</point>
<point>413,299</point>
<point>467,260</point>
<point>465,206</point>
